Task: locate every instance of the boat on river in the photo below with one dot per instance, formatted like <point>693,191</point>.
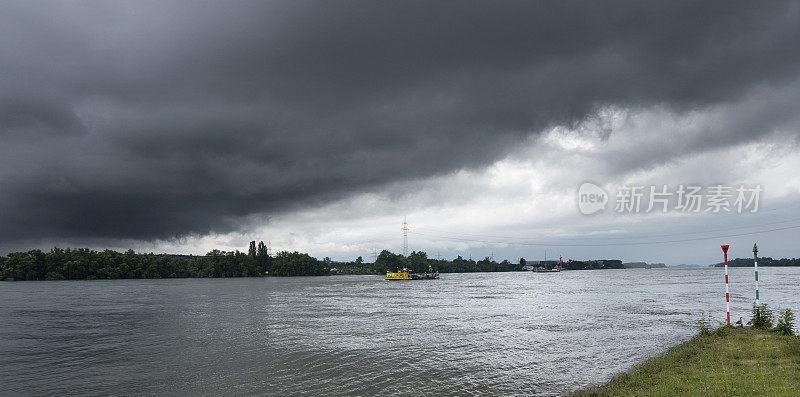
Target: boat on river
<point>405,274</point>
<point>546,270</point>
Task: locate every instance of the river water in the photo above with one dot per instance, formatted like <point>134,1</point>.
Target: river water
<point>465,334</point>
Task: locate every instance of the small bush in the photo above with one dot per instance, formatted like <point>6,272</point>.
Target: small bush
<point>785,324</point>
<point>705,325</point>
<point>762,317</point>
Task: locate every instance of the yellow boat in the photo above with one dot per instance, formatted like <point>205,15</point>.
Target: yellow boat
<point>406,275</point>
<point>398,275</point>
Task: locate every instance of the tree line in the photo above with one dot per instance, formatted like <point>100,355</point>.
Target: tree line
<point>83,264</point>
<point>418,261</point>
<point>765,261</point>
<point>86,264</point>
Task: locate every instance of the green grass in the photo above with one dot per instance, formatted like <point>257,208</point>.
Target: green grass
<point>728,362</point>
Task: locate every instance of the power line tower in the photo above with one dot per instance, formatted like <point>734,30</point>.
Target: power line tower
<point>269,247</point>
<point>405,237</point>
<point>374,255</point>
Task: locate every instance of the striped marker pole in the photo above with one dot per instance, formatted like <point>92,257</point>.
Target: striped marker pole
<point>755,266</point>
<point>727,296</point>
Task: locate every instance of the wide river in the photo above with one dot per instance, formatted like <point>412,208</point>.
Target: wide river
<point>465,334</point>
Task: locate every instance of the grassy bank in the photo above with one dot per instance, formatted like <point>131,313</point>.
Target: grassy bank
<point>728,362</point>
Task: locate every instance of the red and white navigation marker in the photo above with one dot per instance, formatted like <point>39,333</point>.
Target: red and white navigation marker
<point>727,297</point>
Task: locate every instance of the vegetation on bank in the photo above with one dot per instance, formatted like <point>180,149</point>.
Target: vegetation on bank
<point>729,361</point>
<point>83,263</point>
<point>753,361</point>
<point>765,261</point>
<point>764,318</point>
<point>86,264</point>
<point>418,261</point>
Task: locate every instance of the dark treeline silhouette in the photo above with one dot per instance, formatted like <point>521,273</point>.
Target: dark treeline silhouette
<point>593,264</point>
<point>765,261</point>
<point>419,261</point>
<point>86,264</point>
<point>82,263</point>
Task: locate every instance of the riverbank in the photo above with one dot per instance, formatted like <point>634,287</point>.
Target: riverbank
<point>729,361</point>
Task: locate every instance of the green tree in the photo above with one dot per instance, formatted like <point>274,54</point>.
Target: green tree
<point>418,262</point>
<point>785,323</point>
<point>263,260</point>
<point>296,264</point>
<point>388,261</point>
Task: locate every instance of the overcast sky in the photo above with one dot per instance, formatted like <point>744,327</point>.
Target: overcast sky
<point>319,126</point>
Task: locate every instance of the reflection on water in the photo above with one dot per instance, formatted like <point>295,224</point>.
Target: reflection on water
<point>465,334</point>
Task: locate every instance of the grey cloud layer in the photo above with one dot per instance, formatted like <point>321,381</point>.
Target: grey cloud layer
<point>152,119</point>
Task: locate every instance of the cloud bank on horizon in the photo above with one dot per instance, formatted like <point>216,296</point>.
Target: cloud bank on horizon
<point>156,122</point>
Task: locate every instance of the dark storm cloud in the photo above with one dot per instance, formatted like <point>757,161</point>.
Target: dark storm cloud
<point>154,120</point>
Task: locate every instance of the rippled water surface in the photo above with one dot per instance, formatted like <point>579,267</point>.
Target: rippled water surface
<point>465,334</point>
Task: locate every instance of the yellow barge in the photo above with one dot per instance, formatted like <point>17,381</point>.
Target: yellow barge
<point>404,274</point>
<point>398,275</point>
